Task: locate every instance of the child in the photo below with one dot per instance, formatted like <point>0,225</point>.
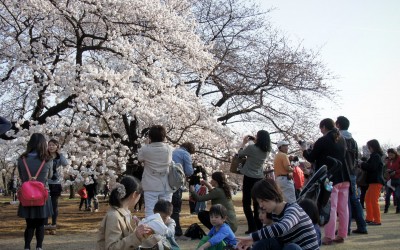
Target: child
<point>220,235</point>
<point>164,208</point>
<point>311,210</point>
<point>83,194</point>
<point>265,218</point>
<point>201,205</point>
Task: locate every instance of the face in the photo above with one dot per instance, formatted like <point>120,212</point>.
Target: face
<point>214,183</point>
<point>391,156</point>
<point>267,205</point>
<point>284,148</point>
<point>216,220</point>
<point>164,217</point>
<point>135,198</point>
<point>262,215</point>
<point>52,147</point>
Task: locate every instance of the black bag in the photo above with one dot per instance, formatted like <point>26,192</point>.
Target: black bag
<point>194,231</point>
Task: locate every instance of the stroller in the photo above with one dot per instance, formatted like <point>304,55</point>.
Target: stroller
<point>319,188</point>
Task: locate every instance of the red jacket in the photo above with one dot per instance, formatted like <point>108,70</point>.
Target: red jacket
<point>298,177</point>
<point>394,165</point>
<point>83,193</point>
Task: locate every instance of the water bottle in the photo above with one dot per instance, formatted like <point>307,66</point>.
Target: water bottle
<point>328,186</point>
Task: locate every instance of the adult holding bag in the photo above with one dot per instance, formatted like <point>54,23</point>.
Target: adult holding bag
<point>253,171</point>
<point>36,153</point>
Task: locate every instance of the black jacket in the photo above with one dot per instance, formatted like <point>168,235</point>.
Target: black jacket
<point>374,169</point>
<point>324,147</point>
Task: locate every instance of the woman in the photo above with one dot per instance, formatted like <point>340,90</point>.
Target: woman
<point>118,230</point>
<point>219,192</point>
<point>55,180</point>
<point>333,145</point>
<point>253,171</point>
<point>393,174</point>
<point>156,157</point>
<point>35,217</point>
<point>374,168</point>
<point>292,227</point>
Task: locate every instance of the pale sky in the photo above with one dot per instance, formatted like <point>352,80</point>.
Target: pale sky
<point>359,41</point>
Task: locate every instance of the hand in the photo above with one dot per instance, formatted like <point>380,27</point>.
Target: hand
<point>245,140</point>
<point>203,182</point>
<point>142,231</point>
<point>244,242</point>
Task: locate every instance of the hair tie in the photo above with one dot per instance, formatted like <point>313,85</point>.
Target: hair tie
<point>121,191</point>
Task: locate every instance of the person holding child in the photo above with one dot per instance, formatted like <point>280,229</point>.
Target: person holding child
<point>117,229</point>
<point>219,193</point>
<point>221,235</point>
<point>292,228</point>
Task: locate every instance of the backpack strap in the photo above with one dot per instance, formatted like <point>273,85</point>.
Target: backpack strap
<point>29,172</point>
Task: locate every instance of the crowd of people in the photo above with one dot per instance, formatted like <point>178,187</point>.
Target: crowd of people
<point>277,217</point>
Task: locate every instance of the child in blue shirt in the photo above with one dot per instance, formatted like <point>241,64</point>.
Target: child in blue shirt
<point>221,235</point>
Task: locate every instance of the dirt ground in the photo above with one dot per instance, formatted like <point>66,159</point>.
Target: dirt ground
<point>77,229</point>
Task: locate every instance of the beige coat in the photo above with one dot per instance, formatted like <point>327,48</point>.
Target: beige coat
<point>156,157</point>
<point>116,232</point>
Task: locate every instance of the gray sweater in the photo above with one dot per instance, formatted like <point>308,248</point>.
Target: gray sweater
<point>254,166</point>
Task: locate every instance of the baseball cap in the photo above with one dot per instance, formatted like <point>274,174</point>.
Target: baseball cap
<point>282,143</point>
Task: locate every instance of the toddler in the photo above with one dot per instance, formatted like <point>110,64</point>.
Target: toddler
<point>220,235</point>
<point>83,194</point>
<point>164,208</point>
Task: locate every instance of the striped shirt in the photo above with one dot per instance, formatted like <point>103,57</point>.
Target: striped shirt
<point>293,225</point>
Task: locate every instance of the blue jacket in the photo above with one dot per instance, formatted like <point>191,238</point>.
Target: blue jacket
<point>225,233</point>
<point>182,156</point>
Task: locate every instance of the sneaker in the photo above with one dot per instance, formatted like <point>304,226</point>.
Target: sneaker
<point>52,226</point>
<point>374,223</point>
<point>338,239</point>
<point>47,227</point>
<point>96,210</point>
<point>358,231</point>
<point>326,241</point>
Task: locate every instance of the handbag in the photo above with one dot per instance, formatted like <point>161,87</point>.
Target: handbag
<point>237,164</point>
<point>32,193</point>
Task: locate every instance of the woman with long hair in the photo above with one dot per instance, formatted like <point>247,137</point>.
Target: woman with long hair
<point>55,180</point>
<point>35,155</point>
<point>219,192</point>
<point>374,168</point>
<point>393,175</point>
<point>117,229</point>
<point>253,171</point>
<point>331,144</point>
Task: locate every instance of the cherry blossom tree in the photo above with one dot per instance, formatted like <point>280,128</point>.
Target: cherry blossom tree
<point>96,73</point>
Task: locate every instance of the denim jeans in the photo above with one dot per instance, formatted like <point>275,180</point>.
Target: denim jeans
<point>177,207</point>
<point>355,208</point>
<point>274,244</point>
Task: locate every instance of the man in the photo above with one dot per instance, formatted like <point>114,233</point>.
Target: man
<point>355,209</point>
<point>181,155</point>
<point>284,172</point>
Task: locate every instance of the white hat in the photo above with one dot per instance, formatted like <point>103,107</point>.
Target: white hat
<point>282,143</point>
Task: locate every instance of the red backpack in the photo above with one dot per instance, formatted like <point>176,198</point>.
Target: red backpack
<point>32,193</point>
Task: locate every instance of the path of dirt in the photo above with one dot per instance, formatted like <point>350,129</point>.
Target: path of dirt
<point>77,229</point>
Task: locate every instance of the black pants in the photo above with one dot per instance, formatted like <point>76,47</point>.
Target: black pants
<point>204,218</point>
<point>33,225</point>
<point>362,195</point>
<point>177,204</point>
<point>253,222</point>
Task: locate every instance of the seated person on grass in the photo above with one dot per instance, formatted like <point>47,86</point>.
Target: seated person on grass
<point>221,235</point>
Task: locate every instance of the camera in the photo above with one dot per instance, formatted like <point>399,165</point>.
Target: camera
<point>252,138</point>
